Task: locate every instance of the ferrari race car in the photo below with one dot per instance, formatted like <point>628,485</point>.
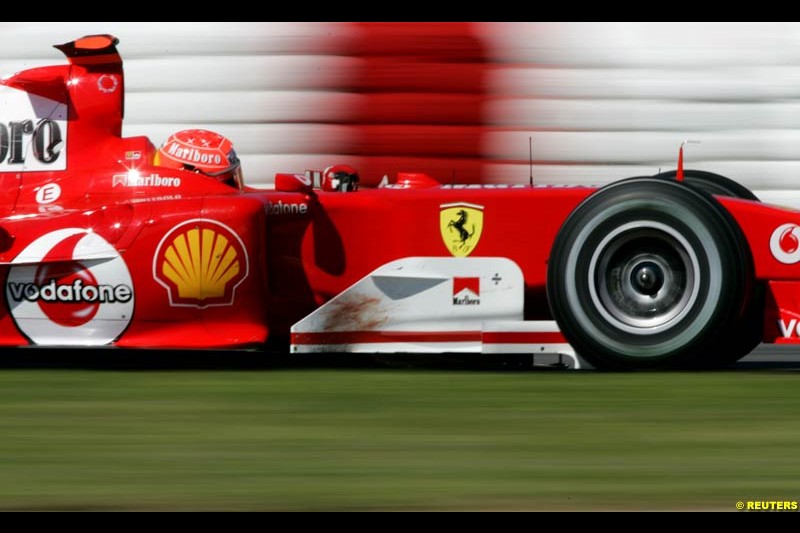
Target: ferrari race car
<point>102,245</point>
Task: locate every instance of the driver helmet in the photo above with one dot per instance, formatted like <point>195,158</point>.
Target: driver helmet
<point>340,178</point>
<point>202,151</point>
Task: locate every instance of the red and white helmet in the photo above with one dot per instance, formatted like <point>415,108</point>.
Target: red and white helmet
<point>202,151</point>
<point>340,178</point>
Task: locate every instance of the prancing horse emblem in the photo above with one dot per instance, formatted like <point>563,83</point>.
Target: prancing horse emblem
<point>461,226</point>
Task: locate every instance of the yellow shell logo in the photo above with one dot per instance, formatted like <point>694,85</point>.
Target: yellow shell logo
<point>200,263</point>
<point>461,226</point>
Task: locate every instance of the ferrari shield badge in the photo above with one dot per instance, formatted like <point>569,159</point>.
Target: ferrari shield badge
<point>461,226</point>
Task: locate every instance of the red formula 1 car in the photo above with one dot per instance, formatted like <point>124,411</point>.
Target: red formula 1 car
<point>100,245</point>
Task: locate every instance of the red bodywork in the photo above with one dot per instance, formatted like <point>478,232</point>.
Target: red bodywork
<point>185,261</point>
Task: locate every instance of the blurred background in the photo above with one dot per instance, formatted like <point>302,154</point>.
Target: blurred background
<point>602,101</point>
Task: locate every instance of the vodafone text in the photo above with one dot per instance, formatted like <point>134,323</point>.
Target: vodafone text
<point>792,329</point>
<point>76,292</point>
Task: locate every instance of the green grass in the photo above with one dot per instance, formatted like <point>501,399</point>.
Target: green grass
<point>396,439</point>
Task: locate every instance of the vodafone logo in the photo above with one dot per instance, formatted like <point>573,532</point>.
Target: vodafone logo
<point>785,244</point>
<point>70,287</point>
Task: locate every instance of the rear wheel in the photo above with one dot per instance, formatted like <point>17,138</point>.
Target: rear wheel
<point>648,273</point>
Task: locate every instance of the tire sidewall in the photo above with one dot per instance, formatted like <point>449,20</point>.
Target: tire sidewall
<point>693,216</point>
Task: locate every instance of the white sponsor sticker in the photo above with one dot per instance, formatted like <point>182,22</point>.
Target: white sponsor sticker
<point>49,193</point>
<point>785,244</point>
<point>134,179</point>
<point>33,132</point>
<point>77,292</point>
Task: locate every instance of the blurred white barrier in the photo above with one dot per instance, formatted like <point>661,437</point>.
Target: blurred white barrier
<point>605,101</point>
<point>602,100</point>
<point>260,83</point>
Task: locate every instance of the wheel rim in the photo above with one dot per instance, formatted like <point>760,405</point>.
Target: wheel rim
<point>644,277</point>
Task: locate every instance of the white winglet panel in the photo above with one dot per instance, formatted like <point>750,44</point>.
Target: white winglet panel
<point>416,304</point>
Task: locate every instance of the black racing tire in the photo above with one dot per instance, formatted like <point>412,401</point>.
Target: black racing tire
<point>744,335</point>
<point>713,184</point>
<point>648,273</point>
<point>749,329</point>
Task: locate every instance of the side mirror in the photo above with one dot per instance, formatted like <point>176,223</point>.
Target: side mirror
<point>293,183</point>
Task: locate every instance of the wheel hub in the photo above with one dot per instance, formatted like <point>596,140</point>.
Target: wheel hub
<point>647,278</point>
<point>643,277</point>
